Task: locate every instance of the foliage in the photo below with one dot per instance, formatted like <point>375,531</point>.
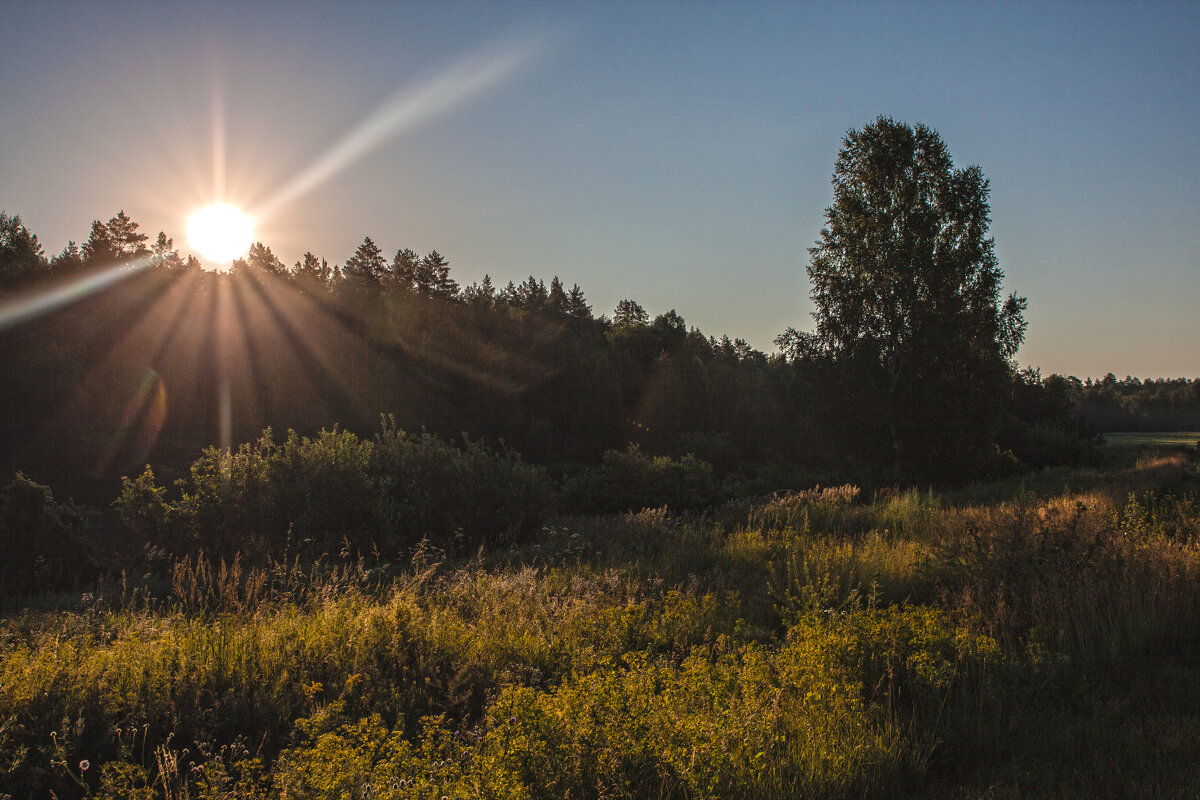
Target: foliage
<point>1132,404</point>
<point>629,480</point>
<point>823,643</point>
<point>42,540</point>
<point>318,495</point>
<point>908,310</point>
<point>115,241</point>
<point>21,256</point>
<point>528,366</point>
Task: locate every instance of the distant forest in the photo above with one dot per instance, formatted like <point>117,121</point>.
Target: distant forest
<point>169,357</point>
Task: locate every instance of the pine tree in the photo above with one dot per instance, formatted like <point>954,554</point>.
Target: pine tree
<point>21,256</point>
<point>163,255</point>
<point>312,272</point>
<point>114,241</point>
<point>480,295</point>
<point>405,267</point>
<point>556,302</point>
<point>68,261</point>
<point>367,265</point>
<point>433,276</point>
<point>577,306</point>
<point>629,314</point>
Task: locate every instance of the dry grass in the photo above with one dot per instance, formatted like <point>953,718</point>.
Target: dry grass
<point>821,644</point>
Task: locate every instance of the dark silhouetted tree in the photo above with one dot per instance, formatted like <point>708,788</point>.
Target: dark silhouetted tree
<point>628,314</point>
<point>404,269</point>
<point>258,259</point>
<point>367,265</point>
<point>532,295</point>
<point>576,305</point>
<point>311,272</point>
<point>480,295</point>
<point>433,276</point>
<point>21,257</point>
<point>908,306</point>
<point>69,260</point>
<point>556,301</point>
<point>163,254</point>
<point>114,241</point>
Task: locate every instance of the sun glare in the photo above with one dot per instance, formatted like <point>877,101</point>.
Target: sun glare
<point>220,232</point>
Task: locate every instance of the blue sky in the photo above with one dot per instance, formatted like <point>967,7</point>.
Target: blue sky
<point>678,154</point>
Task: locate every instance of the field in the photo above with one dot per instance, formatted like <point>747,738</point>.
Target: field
<point>1038,638</point>
<point>1153,439</point>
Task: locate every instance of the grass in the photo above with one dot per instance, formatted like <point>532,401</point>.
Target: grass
<point>1034,638</point>
<point>1153,439</point>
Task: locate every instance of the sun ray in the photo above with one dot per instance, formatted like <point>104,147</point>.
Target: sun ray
<point>218,142</point>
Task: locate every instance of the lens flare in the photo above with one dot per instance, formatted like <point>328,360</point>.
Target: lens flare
<point>143,420</point>
<point>409,108</point>
<point>28,306</point>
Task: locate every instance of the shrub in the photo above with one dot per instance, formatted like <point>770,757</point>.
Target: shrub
<point>629,480</point>
<point>41,539</point>
<point>429,488</point>
<point>317,495</point>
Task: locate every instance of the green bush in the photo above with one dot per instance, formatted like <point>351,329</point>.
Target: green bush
<point>428,487</point>
<point>317,495</point>
<point>41,540</point>
<point>629,480</point>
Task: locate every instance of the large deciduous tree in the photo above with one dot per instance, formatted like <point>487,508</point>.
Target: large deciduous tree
<point>909,313</point>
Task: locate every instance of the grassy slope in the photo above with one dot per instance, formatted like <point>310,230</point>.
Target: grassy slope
<point>1033,638</point>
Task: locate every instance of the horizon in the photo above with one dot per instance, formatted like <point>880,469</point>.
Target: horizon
<point>529,141</point>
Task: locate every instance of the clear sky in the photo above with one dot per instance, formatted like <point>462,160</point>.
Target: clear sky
<point>678,154</point>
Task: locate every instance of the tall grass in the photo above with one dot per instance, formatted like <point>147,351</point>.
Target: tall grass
<point>822,644</point>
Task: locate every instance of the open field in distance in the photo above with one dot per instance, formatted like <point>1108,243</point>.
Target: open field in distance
<point>1153,438</point>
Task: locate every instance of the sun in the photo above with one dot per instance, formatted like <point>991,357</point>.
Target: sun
<point>220,232</point>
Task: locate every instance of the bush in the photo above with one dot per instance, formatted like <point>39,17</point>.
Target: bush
<point>321,494</point>
<point>41,540</point>
<point>428,487</point>
<point>629,480</point>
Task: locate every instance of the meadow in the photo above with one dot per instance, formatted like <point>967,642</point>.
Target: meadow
<point>1156,439</point>
<point>1038,637</point>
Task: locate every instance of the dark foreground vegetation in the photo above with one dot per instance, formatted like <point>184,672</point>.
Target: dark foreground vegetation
<point>1036,637</point>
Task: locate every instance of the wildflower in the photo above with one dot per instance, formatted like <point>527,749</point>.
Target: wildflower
<point>83,765</point>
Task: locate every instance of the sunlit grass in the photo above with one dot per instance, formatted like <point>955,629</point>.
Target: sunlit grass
<point>1153,439</point>
<point>824,644</point>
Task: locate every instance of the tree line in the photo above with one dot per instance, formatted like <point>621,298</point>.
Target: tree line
<point>908,375</point>
<point>528,365</point>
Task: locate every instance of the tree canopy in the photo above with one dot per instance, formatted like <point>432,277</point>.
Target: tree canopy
<point>908,300</point>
